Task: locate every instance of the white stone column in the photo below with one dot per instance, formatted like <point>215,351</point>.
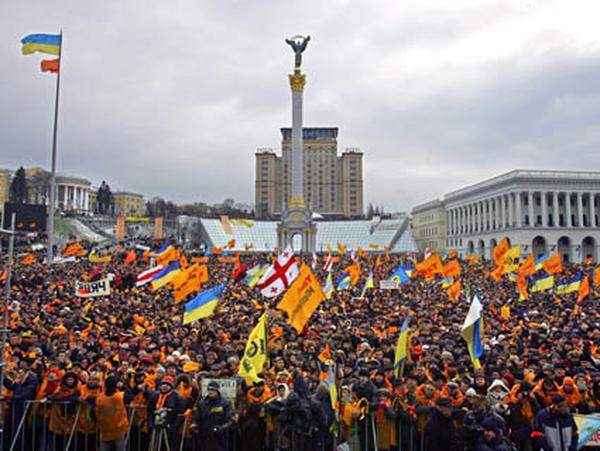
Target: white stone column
<point>86,200</point>
<point>519,209</point>
<point>591,222</point>
<point>502,213</point>
<point>579,210</point>
<point>497,213</point>
<point>568,213</point>
<point>555,212</point>
<point>482,216</point>
<point>478,216</point>
<point>511,217</point>
<point>530,208</point>
<point>544,202</point>
<point>64,197</point>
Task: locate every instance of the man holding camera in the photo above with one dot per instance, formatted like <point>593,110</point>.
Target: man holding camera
<point>165,411</point>
<point>212,419</point>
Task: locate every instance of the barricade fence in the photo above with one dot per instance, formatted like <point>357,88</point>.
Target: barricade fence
<point>43,425</point>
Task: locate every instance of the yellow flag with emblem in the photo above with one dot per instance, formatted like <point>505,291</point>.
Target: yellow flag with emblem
<point>255,354</point>
<point>512,259</point>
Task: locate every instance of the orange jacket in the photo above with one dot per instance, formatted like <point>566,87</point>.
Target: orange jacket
<point>112,416</point>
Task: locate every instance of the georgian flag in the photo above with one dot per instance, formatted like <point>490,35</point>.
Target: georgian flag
<point>280,275</point>
<point>147,275</point>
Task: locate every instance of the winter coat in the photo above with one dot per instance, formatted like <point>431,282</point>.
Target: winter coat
<point>555,432</point>
<point>440,434</point>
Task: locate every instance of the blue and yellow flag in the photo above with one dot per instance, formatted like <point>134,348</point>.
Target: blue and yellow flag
<point>166,275</point>
<point>570,285</point>
<point>540,260</point>
<point>542,284</point>
<point>344,281</point>
<point>472,332</point>
<point>368,285</point>
<point>43,43</point>
<point>402,349</point>
<point>203,305</point>
<point>328,288</point>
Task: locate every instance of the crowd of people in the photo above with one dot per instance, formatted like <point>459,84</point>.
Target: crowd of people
<point>122,371</point>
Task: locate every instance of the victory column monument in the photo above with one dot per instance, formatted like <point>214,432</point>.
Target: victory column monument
<point>296,219</point>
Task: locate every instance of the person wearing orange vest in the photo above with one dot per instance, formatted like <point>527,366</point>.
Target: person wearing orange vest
<point>111,415</point>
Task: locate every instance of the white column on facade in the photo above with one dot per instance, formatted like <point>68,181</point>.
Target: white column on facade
<point>511,217</point>
<point>519,209</point>
<point>544,202</point>
<point>555,213</point>
<point>568,213</point>
<point>496,213</point>
<point>502,213</point>
<point>488,218</point>
<point>591,219</point>
<point>482,216</point>
<point>64,197</point>
<point>530,208</point>
<point>478,209</point>
<point>579,210</point>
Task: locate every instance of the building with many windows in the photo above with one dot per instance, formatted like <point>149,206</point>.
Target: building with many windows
<point>129,204</point>
<point>333,185</point>
<point>428,225</point>
<point>543,211</point>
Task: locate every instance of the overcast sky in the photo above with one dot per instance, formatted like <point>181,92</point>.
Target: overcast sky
<point>172,98</point>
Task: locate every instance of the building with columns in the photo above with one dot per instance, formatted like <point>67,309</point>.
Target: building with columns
<point>72,193</point>
<point>543,211</point>
<point>428,225</point>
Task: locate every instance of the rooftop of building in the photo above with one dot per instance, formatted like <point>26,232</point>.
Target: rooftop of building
<point>127,193</point>
<point>435,203</point>
<point>312,133</point>
<point>526,175</point>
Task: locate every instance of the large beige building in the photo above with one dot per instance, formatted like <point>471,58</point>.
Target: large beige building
<point>429,225</point>
<point>333,185</point>
<point>128,204</point>
<point>5,178</point>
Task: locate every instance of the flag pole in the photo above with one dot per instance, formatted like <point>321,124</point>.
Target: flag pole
<point>52,207</point>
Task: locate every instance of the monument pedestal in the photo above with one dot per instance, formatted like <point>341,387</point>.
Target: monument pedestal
<point>297,221</point>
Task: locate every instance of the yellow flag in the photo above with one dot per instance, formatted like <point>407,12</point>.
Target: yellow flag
<point>341,248</point>
<point>512,259</point>
<point>93,258</point>
<point>505,312</point>
<point>302,298</point>
<point>255,354</point>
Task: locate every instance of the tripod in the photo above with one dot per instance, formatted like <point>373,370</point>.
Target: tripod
<point>159,436</point>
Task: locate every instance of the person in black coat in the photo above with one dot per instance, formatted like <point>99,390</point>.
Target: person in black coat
<point>212,420</point>
<point>440,433</point>
<point>24,388</point>
<point>165,411</point>
<point>253,429</point>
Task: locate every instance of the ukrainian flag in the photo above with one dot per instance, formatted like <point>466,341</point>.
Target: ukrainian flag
<point>203,305</point>
<point>543,284</point>
<point>402,274</point>
<point>472,331</point>
<point>43,43</point>
<point>368,284</point>
<point>538,262</point>
<point>328,288</point>
<point>569,286</point>
<point>166,275</point>
<point>344,281</point>
<point>447,282</point>
<point>402,349</point>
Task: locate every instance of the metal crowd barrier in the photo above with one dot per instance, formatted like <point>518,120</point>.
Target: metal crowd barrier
<point>57,426</point>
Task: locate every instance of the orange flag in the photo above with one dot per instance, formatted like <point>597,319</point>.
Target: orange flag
<point>452,254</point>
<point>302,298</point>
<point>429,267</point>
<point>28,260</point>
<point>497,273</point>
<point>187,282</point>
<point>325,355</point>
<point>200,259</point>
<point>527,267</point>
<point>130,258</point>
<point>553,264</point>
<point>597,276</point>
<point>451,269</point>
<point>584,289</point>
<point>354,273</point>
<point>216,251</point>
<point>361,252</point>
<point>522,287</point>
<point>72,249</point>
<point>455,290</point>
<point>500,250</point>
<point>378,261</point>
<point>4,275</point>
<point>473,259</point>
<point>231,244</point>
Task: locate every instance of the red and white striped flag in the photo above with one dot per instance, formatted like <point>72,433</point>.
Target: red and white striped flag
<point>328,266</point>
<point>147,275</point>
<point>314,261</point>
<point>280,275</point>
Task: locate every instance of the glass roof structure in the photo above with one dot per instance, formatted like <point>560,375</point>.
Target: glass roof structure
<point>262,235</point>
